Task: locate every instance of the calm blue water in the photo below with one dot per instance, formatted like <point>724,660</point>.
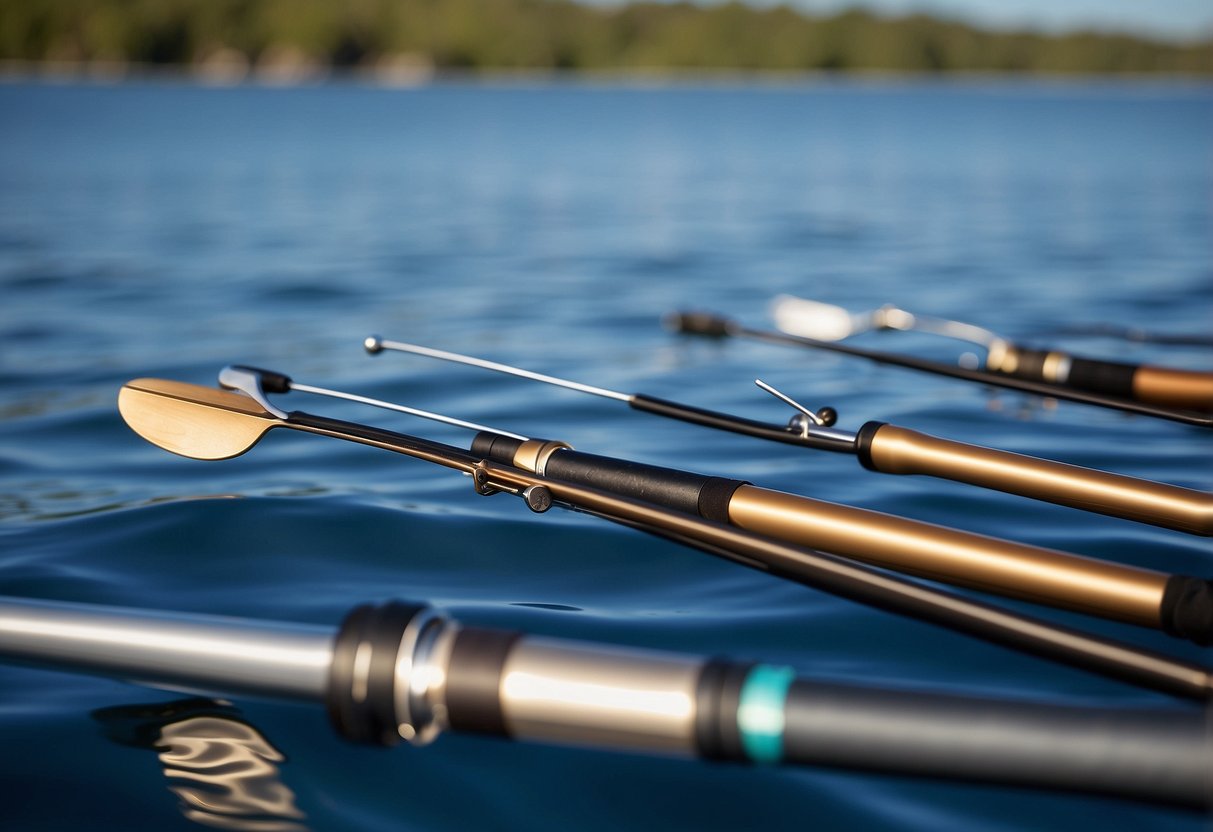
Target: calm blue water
<point>166,230</point>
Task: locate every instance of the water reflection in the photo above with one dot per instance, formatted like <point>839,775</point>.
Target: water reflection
<point>539,605</point>
<point>41,500</point>
<point>222,770</point>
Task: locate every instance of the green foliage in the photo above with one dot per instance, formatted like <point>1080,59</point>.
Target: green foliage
<point>555,34</point>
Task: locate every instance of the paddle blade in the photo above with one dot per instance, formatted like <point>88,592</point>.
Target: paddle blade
<point>193,421</point>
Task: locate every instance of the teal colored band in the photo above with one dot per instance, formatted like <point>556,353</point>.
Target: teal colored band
<point>760,712</point>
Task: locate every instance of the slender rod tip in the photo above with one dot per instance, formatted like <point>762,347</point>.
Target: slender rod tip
<point>373,344</point>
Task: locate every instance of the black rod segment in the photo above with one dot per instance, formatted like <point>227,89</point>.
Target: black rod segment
<point>827,440</point>
<point>1054,747</point>
<point>837,441</point>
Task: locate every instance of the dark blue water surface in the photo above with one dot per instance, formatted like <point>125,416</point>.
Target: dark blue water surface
<point>168,229</point>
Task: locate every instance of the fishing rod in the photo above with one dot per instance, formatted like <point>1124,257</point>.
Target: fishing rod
<point>826,322</point>
<point>716,326</point>
<point>1125,593</point>
<point>203,423</point>
<point>1163,386</point>
<point>406,671</point>
<point>890,449</point>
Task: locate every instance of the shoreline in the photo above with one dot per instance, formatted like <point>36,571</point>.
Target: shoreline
<point>115,73</point>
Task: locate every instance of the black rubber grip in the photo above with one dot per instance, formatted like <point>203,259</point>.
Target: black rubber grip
<point>717,696</point>
<point>699,323</point>
<point>669,487</point>
<point>863,444</point>
<point>271,382</point>
<point>1151,754</point>
<point>1187,608</point>
<point>473,682</point>
<point>1106,377</point>
<point>363,709</point>
<point>495,447</point>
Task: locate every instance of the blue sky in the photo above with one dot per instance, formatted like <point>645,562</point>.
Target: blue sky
<point>1173,19</point>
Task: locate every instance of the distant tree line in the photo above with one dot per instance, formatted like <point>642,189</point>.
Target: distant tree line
<point>551,35</point>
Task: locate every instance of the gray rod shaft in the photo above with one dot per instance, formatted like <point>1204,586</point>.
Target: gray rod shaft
<point>555,690</point>
<point>197,653</point>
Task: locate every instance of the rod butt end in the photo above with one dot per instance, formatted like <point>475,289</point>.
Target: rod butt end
<point>698,323</point>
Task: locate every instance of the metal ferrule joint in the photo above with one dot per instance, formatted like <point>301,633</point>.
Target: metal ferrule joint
<point>1057,367</point>
<point>385,673</point>
<point>1001,358</point>
<point>420,677</point>
<point>533,454</point>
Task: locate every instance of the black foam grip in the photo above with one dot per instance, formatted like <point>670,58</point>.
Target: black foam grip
<point>669,487</point>
<point>473,686</point>
<point>698,323</point>
<point>1153,754</point>
<point>368,717</point>
<point>271,382</point>
<point>1106,377</point>
<point>863,443</point>
<point>1187,608</point>
<point>717,696</point>
<point>495,447</point>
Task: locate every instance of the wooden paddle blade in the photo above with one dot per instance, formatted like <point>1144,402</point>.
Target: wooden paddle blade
<point>193,421</point>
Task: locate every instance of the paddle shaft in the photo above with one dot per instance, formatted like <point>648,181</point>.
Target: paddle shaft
<point>402,671</point>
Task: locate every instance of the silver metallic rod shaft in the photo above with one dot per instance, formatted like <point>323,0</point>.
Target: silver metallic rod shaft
<point>375,344</point>
<point>196,653</point>
<point>394,667</point>
<point>400,408</point>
